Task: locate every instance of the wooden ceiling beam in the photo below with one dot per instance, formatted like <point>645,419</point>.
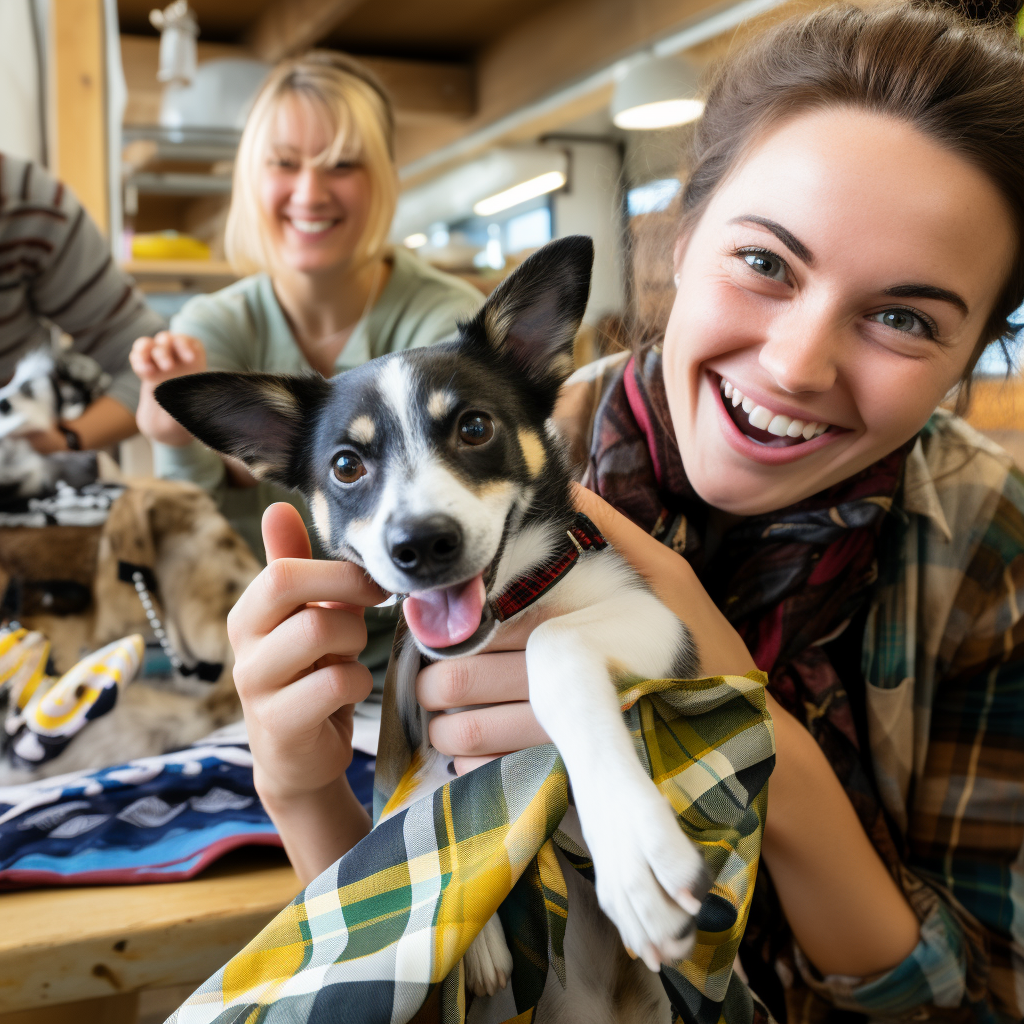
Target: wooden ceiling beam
<point>424,93</point>
<point>562,44</point>
<point>288,27</point>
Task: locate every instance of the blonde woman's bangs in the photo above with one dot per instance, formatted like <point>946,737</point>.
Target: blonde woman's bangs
<point>346,145</point>
<point>358,120</point>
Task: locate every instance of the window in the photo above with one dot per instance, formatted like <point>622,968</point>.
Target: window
<point>652,197</point>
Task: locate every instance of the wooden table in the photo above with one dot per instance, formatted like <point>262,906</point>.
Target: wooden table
<point>82,955</point>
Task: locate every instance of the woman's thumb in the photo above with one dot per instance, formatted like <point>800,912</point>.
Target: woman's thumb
<point>284,533</point>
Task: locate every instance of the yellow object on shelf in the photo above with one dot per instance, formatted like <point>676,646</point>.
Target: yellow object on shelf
<point>168,245</point>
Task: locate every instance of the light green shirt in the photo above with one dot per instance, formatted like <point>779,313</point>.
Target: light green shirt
<point>244,328</point>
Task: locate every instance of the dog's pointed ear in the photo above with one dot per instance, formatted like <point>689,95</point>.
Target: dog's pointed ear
<point>263,419</point>
<point>534,314</point>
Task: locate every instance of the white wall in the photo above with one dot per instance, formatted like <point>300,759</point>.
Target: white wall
<point>21,120</point>
<point>592,206</point>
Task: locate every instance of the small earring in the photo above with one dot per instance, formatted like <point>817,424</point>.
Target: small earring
<point>676,279</point>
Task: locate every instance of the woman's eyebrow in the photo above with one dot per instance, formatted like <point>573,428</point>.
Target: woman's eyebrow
<point>927,291</point>
<point>787,238</point>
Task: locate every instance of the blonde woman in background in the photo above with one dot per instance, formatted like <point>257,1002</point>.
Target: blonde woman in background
<point>314,195</point>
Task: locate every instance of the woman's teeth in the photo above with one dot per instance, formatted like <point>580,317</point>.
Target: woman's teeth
<point>311,227</point>
<point>764,419</point>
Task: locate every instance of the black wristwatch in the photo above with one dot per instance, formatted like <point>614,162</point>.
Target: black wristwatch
<point>71,439</point>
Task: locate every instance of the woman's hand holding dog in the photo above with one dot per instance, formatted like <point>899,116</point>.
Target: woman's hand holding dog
<point>298,679</point>
<point>155,360</point>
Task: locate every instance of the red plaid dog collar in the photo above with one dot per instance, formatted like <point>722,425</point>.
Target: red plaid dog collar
<point>581,536</point>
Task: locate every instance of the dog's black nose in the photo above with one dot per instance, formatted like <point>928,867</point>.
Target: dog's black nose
<point>421,546</point>
<point>5,407</point>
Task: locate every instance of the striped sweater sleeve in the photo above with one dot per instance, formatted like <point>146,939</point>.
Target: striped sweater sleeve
<point>56,266</point>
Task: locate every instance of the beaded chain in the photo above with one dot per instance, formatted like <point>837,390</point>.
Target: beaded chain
<point>154,622</point>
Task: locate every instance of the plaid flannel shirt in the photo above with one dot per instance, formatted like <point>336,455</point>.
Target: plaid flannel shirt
<point>943,660</point>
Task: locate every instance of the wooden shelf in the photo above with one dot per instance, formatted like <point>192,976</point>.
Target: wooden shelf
<point>172,275</point>
<point>140,269</point>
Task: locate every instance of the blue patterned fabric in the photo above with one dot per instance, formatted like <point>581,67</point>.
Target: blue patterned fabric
<point>155,819</point>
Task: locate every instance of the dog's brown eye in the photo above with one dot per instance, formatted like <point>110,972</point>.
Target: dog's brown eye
<point>476,428</point>
<point>348,468</point>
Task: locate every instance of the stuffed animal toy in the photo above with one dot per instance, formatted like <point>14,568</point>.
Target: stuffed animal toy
<point>163,563</point>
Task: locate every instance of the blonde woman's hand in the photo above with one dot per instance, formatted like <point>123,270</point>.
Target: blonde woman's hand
<point>155,360</point>
<point>296,633</point>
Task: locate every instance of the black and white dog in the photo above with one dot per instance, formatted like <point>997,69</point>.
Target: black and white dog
<point>43,391</point>
<point>440,472</point>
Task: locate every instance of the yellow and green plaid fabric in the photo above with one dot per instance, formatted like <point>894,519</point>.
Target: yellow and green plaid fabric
<point>380,935</point>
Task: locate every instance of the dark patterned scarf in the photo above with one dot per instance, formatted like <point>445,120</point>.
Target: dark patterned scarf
<point>787,579</point>
<point>789,582</point>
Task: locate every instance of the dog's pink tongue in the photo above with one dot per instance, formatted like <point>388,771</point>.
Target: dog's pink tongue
<point>443,618</point>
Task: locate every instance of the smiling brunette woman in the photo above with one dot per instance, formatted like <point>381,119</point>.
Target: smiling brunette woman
<point>775,465</point>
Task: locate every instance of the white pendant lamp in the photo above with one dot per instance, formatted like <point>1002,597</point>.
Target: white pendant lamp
<point>656,93</point>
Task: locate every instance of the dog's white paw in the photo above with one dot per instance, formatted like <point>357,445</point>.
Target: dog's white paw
<point>647,872</point>
<point>488,961</point>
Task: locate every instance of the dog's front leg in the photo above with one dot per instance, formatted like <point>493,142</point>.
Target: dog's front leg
<point>646,869</point>
<point>488,960</point>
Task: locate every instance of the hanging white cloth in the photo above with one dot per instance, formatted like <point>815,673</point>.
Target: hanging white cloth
<point>21,105</point>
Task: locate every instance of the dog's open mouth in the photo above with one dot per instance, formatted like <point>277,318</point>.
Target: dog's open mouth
<point>447,616</point>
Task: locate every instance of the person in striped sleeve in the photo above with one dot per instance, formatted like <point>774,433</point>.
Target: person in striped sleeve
<point>56,268</point>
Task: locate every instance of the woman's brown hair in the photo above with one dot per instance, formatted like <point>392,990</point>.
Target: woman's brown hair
<point>959,82</point>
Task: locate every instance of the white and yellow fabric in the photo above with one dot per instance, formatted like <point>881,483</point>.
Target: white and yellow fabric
<point>57,712</point>
<point>23,658</point>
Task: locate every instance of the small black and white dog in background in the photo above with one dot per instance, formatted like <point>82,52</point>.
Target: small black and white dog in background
<point>440,472</point>
<point>44,391</point>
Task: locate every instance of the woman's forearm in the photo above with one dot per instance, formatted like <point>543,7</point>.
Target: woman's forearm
<point>105,422</point>
<point>847,914</point>
<point>157,423</point>
<point>317,828</point>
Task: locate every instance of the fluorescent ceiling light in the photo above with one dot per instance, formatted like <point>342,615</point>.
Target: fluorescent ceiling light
<point>429,208</point>
<point>415,241</point>
<point>517,194</point>
<point>662,114</point>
